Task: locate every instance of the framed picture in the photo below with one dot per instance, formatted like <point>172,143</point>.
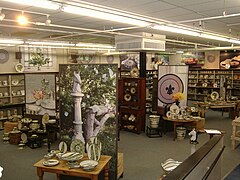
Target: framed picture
<point>40,94</point>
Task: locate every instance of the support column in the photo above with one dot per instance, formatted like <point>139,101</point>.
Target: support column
<point>143,61</point>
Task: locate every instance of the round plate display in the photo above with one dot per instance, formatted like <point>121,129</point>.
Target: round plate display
<point>127,97</point>
<point>24,137</point>
<point>77,146</point>
<point>45,118</point>
<point>174,109</point>
<point>19,67</point>
<point>168,114</point>
<point>88,163</point>
<point>134,72</point>
<point>4,56</point>
<point>50,162</point>
<point>62,147</point>
<point>168,85</point>
<point>133,90</point>
<point>214,95</point>
<point>110,59</point>
<point>211,58</point>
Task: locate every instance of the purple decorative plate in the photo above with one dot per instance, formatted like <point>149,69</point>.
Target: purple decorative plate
<point>168,85</point>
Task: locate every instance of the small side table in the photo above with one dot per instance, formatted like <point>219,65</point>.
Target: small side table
<point>154,132</point>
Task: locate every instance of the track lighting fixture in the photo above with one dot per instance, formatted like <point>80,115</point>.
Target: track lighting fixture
<point>48,21</point>
<point>2,16</point>
<point>22,20</point>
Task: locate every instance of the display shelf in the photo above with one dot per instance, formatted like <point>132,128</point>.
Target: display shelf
<point>132,119</point>
<point>213,80</point>
<point>151,92</point>
<point>12,95</point>
<point>132,102</point>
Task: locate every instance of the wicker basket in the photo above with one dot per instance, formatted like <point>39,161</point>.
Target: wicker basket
<point>14,138</point>
<point>8,126</point>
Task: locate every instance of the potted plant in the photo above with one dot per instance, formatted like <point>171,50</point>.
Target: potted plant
<point>37,59</point>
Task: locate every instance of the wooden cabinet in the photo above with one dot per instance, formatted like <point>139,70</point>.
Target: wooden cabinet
<point>12,96</point>
<point>132,99</point>
<point>202,82</point>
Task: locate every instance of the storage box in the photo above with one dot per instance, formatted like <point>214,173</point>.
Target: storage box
<point>200,125</point>
<point>14,138</point>
<point>120,165</point>
<point>8,126</point>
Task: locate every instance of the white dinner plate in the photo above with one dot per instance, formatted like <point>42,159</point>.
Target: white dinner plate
<point>62,147</point>
<point>214,95</point>
<point>50,162</point>
<point>174,109</point>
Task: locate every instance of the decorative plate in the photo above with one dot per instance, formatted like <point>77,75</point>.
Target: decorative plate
<point>214,95</point>
<point>89,162</point>
<point>45,118</point>
<point>183,112</point>
<point>174,108</point>
<point>62,147</point>
<point>51,162</point>
<point>110,59</point>
<point>24,137</point>
<point>15,82</point>
<point>168,85</point>
<point>19,67</point>
<point>127,97</point>
<point>77,146</point>
<point>215,85</point>
<point>133,90</point>
<point>134,72</point>
<point>26,120</point>
<point>168,114</point>
<point>4,56</point>
<point>94,148</point>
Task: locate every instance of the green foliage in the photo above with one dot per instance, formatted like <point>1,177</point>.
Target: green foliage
<point>97,85</point>
<point>37,58</point>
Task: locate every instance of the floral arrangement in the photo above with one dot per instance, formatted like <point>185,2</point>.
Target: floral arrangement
<point>38,94</point>
<point>38,59</point>
<point>178,96</point>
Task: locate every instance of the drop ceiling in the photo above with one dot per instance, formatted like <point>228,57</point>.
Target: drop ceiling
<point>72,27</point>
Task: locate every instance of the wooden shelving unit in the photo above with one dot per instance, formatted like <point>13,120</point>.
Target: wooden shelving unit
<point>202,82</point>
<point>12,96</point>
<point>151,90</point>
<point>131,95</point>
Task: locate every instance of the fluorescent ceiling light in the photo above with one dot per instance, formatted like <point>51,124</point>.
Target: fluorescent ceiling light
<point>176,30</point>
<point>95,45</point>
<point>235,41</point>
<point>214,37</point>
<point>104,15</point>
<point>11,41</point>
<point>37,3</point>
<point>50,43</point>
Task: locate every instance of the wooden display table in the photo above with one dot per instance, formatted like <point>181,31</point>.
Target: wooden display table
<point>62,168</point>
<point>231,106</point>
<point>182,122</point>
<point>235,133</point>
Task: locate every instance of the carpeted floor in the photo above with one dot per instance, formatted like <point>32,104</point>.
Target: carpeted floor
<point>142,155</point>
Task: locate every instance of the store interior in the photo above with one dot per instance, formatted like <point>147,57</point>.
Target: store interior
<point>119,90</point>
